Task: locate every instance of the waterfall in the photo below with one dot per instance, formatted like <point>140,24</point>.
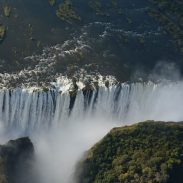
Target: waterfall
<point>34,113</point>
<point>27,110</point>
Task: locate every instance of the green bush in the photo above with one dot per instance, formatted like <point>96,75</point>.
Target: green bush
<point>145,152</point>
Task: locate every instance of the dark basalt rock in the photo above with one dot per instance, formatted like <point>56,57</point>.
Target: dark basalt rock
<point>16,159</point>
<point>73,93</point>
<point>88,92</point>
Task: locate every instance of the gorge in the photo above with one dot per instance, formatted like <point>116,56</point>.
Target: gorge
<point>62,134</point>
<point>73,70</point>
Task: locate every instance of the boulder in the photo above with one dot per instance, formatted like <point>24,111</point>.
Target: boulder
<point>16,160</point>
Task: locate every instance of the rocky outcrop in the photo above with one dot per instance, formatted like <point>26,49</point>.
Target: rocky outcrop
<point>73,92</point>
<point>145,152</point>
<point>16,159</point>
<point>2,32</point>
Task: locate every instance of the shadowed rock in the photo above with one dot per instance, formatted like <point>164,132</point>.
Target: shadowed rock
<point>16,160</point>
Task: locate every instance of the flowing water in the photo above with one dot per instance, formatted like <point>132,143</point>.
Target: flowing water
<point>61,135</point>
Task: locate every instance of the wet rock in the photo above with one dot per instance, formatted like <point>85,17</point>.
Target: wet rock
<point>107,84</point>
<point>73,88</point>
<point>73,92</point>
<point>16,158</point>
<point>88,92</point>
<point>88,89</point>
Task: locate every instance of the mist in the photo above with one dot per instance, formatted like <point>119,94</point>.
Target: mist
<point>58,151</point>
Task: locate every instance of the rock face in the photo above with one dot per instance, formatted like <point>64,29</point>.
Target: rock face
<point>15,161</point>
<point>149,152</point>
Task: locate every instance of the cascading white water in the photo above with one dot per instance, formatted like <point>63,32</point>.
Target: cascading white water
<point>61,135</point>
<point>28,110</point>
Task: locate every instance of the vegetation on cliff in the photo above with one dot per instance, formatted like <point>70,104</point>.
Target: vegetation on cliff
<point>103,8</point>
<point>52,2</point>
<point>149,152</point>
<point>66,12</point>
<point>7,10</point>
<point>2,32</point>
